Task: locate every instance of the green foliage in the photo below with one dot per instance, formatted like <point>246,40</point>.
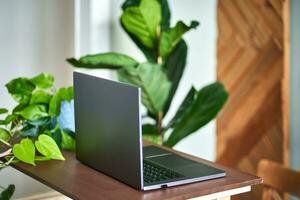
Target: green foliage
<point>43,81</point>
<point>34,120</point>
<point>33,112</point>
<point>39,97</point>
<point>62,94</point>
<point>3,110</point>
<point>143,21</point>
<point>147,23</point>
<point>67,141</point>
<point>48,148</point>
<point>25,151</point>
<point>171,37</point>
<point>198,108</point>
<point>106,60</point>
<point>7,193</point>
<point>4,134</point>
<point>154,83</point>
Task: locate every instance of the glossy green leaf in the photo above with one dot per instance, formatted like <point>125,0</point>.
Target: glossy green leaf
<point>153,82</point>
<point>43,80</point>
<point>143,21</point>
<point>204,108</point>
<point>110,60</point>
<point>3,110</point>
<point>40,96</point>
<point>21,86</point>
<point>7,193</point>
<point>61,94</point>
<point>25,151</point>
<point>188,100</point>
<point>48,148</point>
<point>171,37</point>
<point>4,134</point>
<point>150,54</point>
<point>150,133</point>
<point>34,112</point>
<point>174,66</point>
<point>166,14</point>
<point>68,142</point>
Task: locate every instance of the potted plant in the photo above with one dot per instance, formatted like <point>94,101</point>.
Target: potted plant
<point>40,124</point>
<point>147,23</point>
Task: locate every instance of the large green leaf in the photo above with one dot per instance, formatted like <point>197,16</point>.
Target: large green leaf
<point>171,37</point>
<point>25,151</point>
<point>40,96</point>
<point>153,82</point>
<point>7,193</point>
<point>34,112</point>
<point>165,10</point>
<point>188,100</point>
<point>174,66</point>
<point>48,148</point>
<point>20,89</point>
<point>43,80</point>
<point>150,54</point>
<point>143,21</point>
<point>204,108</point>
<point>110,60</point>
<point>4,134</point>
<point>20,86</point>
<point>61,94</point>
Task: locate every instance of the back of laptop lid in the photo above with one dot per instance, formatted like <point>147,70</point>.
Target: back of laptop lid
<point>107,123</point>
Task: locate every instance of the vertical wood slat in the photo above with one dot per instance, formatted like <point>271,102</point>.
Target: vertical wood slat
<point>253,64</point>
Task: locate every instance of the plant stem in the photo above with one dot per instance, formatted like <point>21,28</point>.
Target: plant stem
<point>6,143</point>
<point>159,125</point>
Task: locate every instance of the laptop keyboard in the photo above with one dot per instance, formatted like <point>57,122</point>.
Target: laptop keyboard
<point>155,173</point>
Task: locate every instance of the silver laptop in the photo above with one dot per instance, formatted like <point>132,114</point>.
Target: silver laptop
<point>109,138</point>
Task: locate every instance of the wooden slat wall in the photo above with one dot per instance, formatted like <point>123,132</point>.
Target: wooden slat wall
<point>251,65</point>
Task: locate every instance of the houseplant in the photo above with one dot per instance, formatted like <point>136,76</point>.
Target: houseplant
<point>147,22</point>
<point>36,128</point>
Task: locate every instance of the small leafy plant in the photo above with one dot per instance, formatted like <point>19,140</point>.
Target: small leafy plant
<point>147,22</point>
<point>37,121</point>
<point>38,126</point>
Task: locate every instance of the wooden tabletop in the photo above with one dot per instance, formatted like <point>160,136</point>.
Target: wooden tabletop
<point>78,181</point>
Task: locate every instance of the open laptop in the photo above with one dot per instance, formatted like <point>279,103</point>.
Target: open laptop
<point>109,138</point>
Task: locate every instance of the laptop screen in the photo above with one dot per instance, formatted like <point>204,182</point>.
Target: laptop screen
<point>107,125</point>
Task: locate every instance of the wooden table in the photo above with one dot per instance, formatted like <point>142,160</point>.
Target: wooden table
<point>78,181</point>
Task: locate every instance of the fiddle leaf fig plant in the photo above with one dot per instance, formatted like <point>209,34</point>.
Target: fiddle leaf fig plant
<point>147,23</point>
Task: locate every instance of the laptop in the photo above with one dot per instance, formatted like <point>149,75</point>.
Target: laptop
<point>109,138</point>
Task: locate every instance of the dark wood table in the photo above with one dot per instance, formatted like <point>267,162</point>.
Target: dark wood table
<point>78,181</point>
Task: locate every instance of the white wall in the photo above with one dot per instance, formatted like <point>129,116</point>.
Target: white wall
<point>36,36</point>
<point>201,64</point>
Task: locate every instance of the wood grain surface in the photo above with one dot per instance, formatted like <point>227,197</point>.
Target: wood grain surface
<point>78,181</point>
<point>253,64</point>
